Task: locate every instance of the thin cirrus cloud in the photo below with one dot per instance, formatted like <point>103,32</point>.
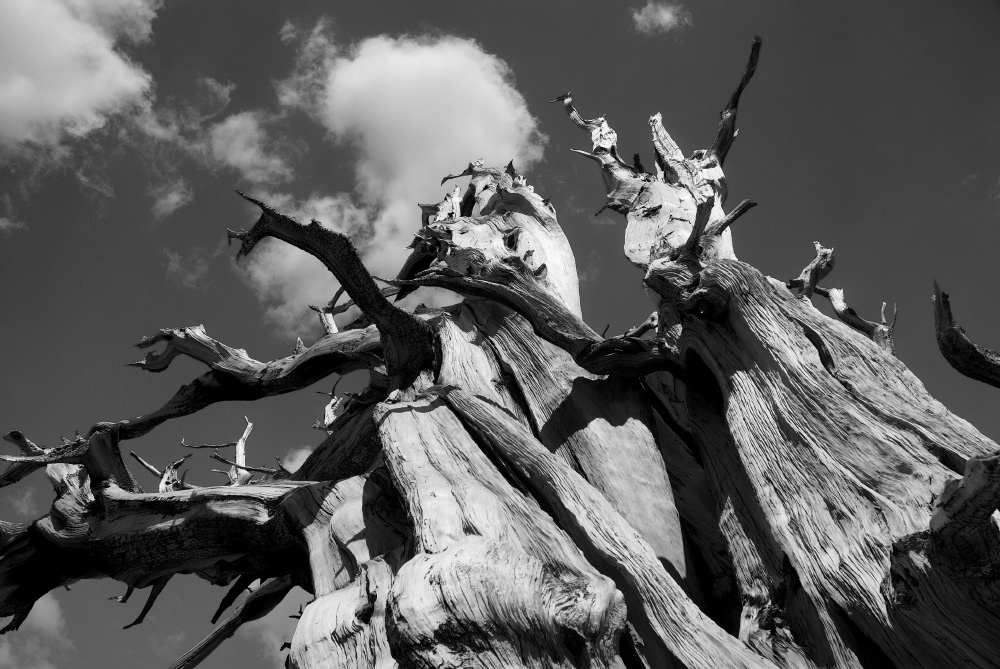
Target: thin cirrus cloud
<point>8,223</point>
<point>60,72</point>
<point>190,269</point>
<point>169,197</point>
<point>413,109</point>
<point>660,17</point>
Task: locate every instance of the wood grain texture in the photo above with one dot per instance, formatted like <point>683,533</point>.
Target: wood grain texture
<point>739,481</point>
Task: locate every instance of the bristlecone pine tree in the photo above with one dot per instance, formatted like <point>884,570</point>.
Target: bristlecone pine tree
<point>740,481</point>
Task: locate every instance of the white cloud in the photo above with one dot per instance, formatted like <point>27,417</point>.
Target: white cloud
<point>660,17</point>
<point>415,109</point>
<point>40,637</point>
<point>60,74</point>
<point>170,197</point>
<point>241,142</point>
<point>46,619</point>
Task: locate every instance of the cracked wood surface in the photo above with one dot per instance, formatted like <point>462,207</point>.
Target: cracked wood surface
<point>740,481</point>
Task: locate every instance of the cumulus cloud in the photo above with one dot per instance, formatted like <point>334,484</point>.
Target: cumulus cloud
<point>169,197</point>
<point>128,19</point>
<point>241,142</point>
<point>40,638</point>
<point>413,109</point>
<point>660,17</point>
<point>60,73</point>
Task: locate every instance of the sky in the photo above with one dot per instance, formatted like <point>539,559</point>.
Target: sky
<point>125,124</point>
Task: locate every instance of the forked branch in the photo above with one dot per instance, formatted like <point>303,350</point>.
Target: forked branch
<point>236,376</point>
<point>880,332</point>
<point>168,477</point>
<point>407,343</point>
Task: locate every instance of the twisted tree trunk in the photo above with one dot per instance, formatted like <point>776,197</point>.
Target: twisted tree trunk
<point>738,482</point>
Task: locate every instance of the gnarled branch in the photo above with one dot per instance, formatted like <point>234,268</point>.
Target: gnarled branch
<point>514,285</point>
<point>976,362</point>
<point>880,333</point>
<point>406,345</point>
<point>236,376</point>
<point>814,272</point>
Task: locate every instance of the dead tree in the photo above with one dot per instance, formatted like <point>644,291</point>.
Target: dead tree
<point>740,481</point>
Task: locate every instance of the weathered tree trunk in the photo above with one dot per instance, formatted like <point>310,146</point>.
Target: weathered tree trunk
<point>738,482</point>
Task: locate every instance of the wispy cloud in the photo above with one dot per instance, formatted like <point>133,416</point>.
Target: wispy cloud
<point>167,645</point>
<point>169,197</point>
<point>22,501</point>
<point>241,142</point>
<point>414,109</point>
<point>660,17</point>
<point>8,223</point>
<point>190,270</point>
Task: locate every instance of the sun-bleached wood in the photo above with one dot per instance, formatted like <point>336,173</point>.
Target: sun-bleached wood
<point>738,481</point>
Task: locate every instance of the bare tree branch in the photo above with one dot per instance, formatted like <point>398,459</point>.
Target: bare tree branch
<point>236,376</point>
<point>727,125</point>
<point>976,362</point>
<point>258,604</point>
<point>514,285</point>
<point>814,272</point>
<point>406,342</point>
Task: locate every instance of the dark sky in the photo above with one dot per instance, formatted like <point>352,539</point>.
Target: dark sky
<point>124,125</point>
